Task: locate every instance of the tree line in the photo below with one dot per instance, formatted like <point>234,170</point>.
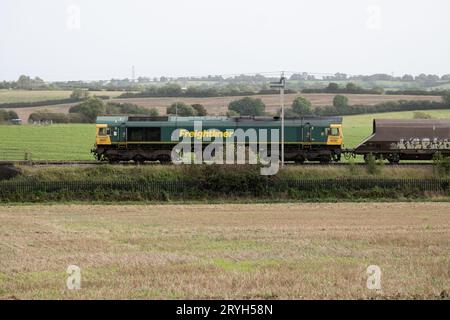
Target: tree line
<point>88,110</point>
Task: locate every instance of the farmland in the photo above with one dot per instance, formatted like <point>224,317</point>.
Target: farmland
<point>74,141</point>
<point>10,96</point>
<point>56,142</point>
<point>219,105</point>
<point>279,251</point>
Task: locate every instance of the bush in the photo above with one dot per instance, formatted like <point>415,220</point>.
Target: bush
<point>124,108</point>
<point>441,164</point>
<point>200,109</point>
<point>36,103</point>
<point>7,115</point>
<point>390,106</point>
<point>288,113</point>
<point>416,92</point>
<point>248,106</point>
<point>421,115</point>
<point>232,113</point>
<point>349,88</point>
<point>153,112</point>
<point>8,172</point>
<point>77,118</point>
<point>181,109</point>
<point>372,166</point>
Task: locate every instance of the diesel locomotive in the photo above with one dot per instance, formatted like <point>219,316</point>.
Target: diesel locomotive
<point>142,138</point>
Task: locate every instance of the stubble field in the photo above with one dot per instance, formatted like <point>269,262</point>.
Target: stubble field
<point>276,251</point>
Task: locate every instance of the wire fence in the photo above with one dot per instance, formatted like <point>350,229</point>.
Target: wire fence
<point>180,187</point>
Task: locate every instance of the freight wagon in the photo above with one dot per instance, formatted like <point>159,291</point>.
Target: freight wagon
<point>397,140</point>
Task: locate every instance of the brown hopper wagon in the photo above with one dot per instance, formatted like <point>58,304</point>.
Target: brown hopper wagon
<point>397,140</point>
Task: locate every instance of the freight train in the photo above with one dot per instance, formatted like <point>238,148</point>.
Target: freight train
<point>150,138</point>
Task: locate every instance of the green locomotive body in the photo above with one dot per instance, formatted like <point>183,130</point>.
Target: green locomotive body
<point>141,138</point>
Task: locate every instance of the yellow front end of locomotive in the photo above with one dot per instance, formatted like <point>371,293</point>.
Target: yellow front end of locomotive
<point>103,135</point>
<point>335,136</point>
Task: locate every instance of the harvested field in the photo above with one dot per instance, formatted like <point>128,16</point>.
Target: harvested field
<point>219,105</point>
<point>233,251</point>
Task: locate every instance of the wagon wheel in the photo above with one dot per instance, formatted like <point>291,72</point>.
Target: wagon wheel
<point>393,158</point>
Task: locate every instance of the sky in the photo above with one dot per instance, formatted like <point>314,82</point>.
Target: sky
<point>102,39</point>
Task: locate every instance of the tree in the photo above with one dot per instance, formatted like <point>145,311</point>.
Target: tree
<point>332,87</point>
<point>446,98</point>
<point>301,106</point>
<point>248,106</point>
<point>24,82</point>
<point>200,109</point>
<point>91,108</point>
<point>340,103</point>
<point>77,93</point>
<point>407,77</point>
<point>351,87</point>
<point>181,109</point>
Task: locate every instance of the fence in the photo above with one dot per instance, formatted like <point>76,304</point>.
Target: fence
<point>365,183</point>
<point>90,186</point>
<point>15,154</point>
<point>188,189</point>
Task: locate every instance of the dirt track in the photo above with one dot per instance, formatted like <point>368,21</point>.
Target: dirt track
<point>226,251</point>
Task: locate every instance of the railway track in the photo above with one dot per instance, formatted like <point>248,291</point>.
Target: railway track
<point>80,163</point>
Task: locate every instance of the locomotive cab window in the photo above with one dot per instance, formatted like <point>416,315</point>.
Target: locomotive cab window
<point>332,131</point>
<point>104,131</point>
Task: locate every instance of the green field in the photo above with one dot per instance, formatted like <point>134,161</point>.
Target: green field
<point>55,142</point>
<point>74,141</point>
<point>12,96</point>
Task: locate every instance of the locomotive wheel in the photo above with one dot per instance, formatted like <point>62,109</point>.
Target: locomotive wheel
<point>325,160</point>
<point>300,160</point>
<point>164,159</point>
<point>138,159</point>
